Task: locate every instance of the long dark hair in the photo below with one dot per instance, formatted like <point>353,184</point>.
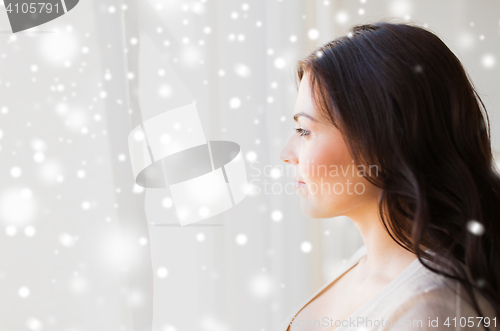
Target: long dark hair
<point>405,103</point>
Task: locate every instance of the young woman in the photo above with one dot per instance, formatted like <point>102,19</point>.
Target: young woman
<point>393,100</point>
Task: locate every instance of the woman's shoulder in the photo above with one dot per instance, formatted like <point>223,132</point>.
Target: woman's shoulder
<point>444,306</point>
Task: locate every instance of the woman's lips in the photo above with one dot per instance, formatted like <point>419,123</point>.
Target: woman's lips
<point>299,184</point>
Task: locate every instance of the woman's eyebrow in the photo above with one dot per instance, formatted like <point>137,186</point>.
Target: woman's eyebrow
<point>296,116</point>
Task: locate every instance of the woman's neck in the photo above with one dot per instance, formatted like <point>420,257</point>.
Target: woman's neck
<point>385,259</point>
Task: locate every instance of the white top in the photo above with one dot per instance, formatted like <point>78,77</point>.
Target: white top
<point>416,296</point>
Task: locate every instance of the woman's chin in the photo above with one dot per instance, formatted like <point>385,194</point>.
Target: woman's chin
<point>314,209</point>
<point>310,210</point>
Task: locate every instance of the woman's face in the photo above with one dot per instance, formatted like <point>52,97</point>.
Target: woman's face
<point>332,184</point>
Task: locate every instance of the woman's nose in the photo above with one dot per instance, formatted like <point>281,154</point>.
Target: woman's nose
<point>287,153</point>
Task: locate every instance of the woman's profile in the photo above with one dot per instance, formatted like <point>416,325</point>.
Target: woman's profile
<point>395,103</point>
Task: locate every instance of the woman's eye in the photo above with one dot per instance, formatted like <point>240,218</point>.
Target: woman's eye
<point>301,131</point>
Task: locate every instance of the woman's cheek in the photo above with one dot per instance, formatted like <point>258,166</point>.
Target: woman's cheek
<point>307,171</point>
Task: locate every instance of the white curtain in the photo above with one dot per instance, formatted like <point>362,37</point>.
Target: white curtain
<point>93,251</point>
